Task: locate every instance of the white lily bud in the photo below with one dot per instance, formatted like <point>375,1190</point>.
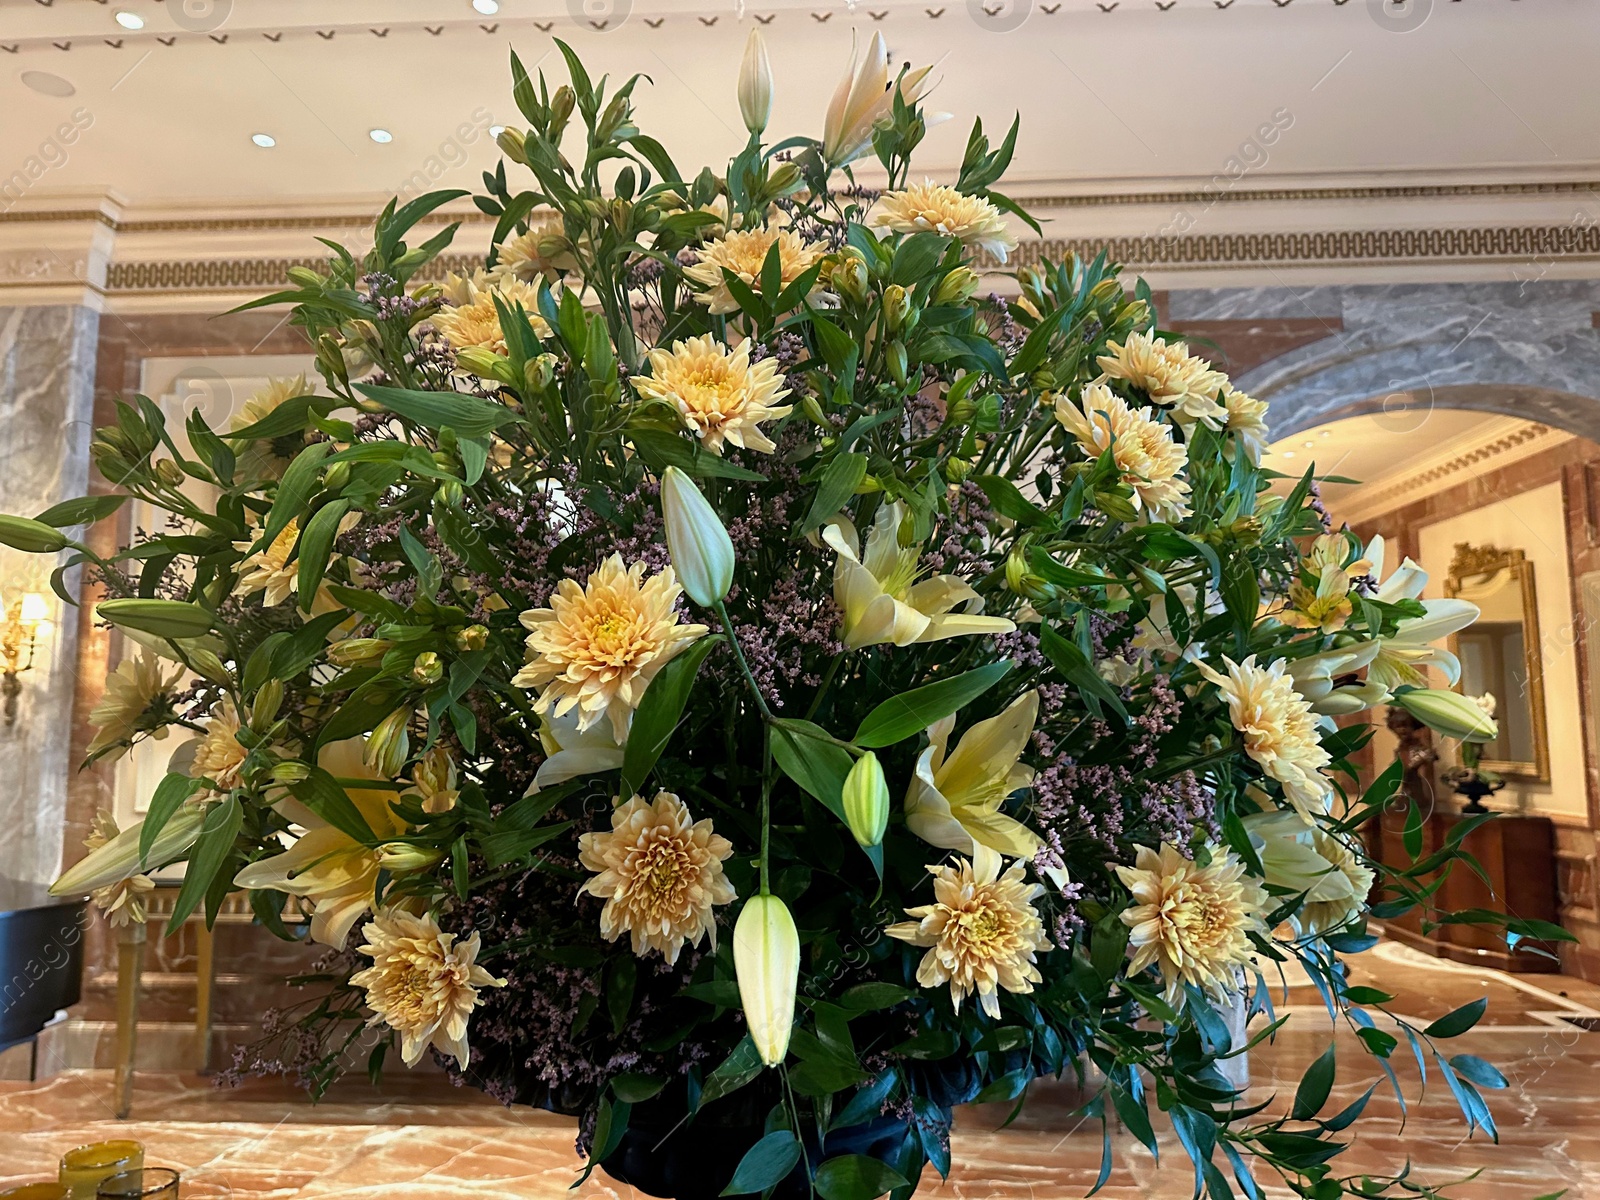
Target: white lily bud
<point>118,859</point>
<point>766,959</point>
<point>755,84</point>
<point>1449,713</point>
<point>702,552</point>
<point>866,800</point>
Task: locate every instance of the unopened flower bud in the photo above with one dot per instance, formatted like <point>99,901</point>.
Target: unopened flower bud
<point>895,357</point>
<point>30,536</point>
<point>485,364</point>
<point>540,372</point>
<point>896,307</point>
<point>426,668</point>
<point>305,277</point>
<point>849,279</point>
<point>337,476</point>
<point>812,407</point>
<point>291,772</point>
<point>510,143</point>
<point>1449,713</point>
<point>473,637</point>
<point>169,472</point>
<point>957,287</point>
<point>389,745</point>
<point>784,180</point>
<point>755,84</point>
<point>866,800</point>
<point>702,552</point>
<point>401,857</point>
<point>357,652</point>
<point>766,961</point>
<point>264,709</point>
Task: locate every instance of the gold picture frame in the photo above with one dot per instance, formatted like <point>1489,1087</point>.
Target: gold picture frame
<point>1473,570</point>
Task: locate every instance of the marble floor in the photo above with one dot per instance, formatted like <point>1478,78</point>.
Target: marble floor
<point>422,1139</point>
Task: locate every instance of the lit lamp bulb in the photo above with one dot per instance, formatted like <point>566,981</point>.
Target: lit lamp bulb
<point>27,618</point>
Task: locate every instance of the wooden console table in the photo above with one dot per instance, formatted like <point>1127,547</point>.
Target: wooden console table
<point>1518,855</point>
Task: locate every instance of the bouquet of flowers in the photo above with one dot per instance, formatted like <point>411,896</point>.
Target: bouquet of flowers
<point>708,671</point>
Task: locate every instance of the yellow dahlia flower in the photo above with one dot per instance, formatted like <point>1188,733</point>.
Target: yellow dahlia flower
<point>930,207</point>
<point>1149,461</point>
<point>597,647</point>
<point>1193,922</point>
<point>422,982</point>
<point>325,865</point>
<point>721,395</point>
<point>743,251</point>
<point>1280,730</point>
<point>1247,421</point>
<point>1170,376</point>
<point>124,708</point>
<point>660,873</point>
<point>270,569</point>
<point>470,319</point>
<point>218,755</point>
<point>982,931</point>
<point>542,252</point>
<point>259,459</point>
<point>954,799</point>
<point>882,600</point>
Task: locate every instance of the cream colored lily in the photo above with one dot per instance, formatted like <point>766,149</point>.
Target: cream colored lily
<point>1321,680</point>
<point>1310,861</point>
<point>570,751</point>
<point>954,799</point>
<point>882,600</point>
<point>325,865</point>
<point>1402,657</point>
<point>864,100</point>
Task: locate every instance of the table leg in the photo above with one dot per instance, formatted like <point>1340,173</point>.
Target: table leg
<point>205,978</point>
<point>130,962</point>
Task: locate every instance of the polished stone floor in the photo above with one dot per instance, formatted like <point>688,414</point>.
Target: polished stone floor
<point>421,1139</point>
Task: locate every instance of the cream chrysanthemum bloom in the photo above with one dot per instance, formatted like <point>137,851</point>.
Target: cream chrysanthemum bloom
<point>1147,458</point>
<point>982,931</point>
<point>422,982</point>
<point>744,251</point>
<point>597,647</point>
<point>470,319</point>
<point>660,873</point>
<point>1170,376</point>
<point>720,394</point>
<point>541,252</point>
<point>123,902</point>
<point>1193,922</point>
<point>131,692</point>
<point>1279,727</point>
<point>930,207</point>
<point>1247,421</point>
<point>260,458</point>
<point>218,756</point>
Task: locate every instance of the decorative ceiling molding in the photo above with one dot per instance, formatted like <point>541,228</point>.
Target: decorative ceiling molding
<point>1242,195</point>
<point>1489,447</point>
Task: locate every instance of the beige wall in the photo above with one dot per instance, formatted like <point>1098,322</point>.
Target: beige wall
<point>1535,523</point>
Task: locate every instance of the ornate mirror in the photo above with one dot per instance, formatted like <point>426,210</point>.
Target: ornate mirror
<point>1500,655</point>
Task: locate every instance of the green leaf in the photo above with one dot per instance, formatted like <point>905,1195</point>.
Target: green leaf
<point>839,483</point>
<point>1458,1021</point>
<point>659,711</point>
<point>1315,1085</point>
<point>169,796</point>
<point>869,997</point>
<point>292,416</point>
<point>806,754</point>
<point>635,1088</point>
<point>1074,665</point>
<point>911,712</point>
<point>321,793</point>
<point>315,547</point>
<point>1008,1087</point>
<point>765,1164</point>
<point>467,415</point>
<point>661,449</point>
<point>738,1069</point>
<point>83,510</point>
<point>207,857</point>
<point>1007,500</point>
<point>300,482</point>
<point>856,1177</point>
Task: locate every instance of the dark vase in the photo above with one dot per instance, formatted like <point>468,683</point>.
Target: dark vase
<point>1475,790</point>
<point>663,1155</point>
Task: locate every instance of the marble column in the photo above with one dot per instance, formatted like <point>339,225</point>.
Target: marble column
<point>47,364</point>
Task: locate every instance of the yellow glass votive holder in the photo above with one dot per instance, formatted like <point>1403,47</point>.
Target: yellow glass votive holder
<point>83,1167</point>
<point>146,1183</point>
<point>35,1191</point>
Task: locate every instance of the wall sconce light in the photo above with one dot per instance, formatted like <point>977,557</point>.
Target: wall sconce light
<point>27,619</point>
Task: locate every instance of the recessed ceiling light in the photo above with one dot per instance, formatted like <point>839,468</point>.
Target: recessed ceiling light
<point>487,7</point>
<point>130,20</point>
<point>1287,453</point>
<point>1326,433</point>
<point>495,131</point>
<point>382,136</point>
<point>47,84</point>
<point>1309,445</point>
<point>265,140</point>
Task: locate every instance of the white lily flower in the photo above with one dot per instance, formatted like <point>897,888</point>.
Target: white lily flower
<point>571,751</point>
<point>954,800</point>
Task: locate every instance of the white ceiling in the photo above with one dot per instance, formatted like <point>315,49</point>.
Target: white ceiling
<point>1130,96</point>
